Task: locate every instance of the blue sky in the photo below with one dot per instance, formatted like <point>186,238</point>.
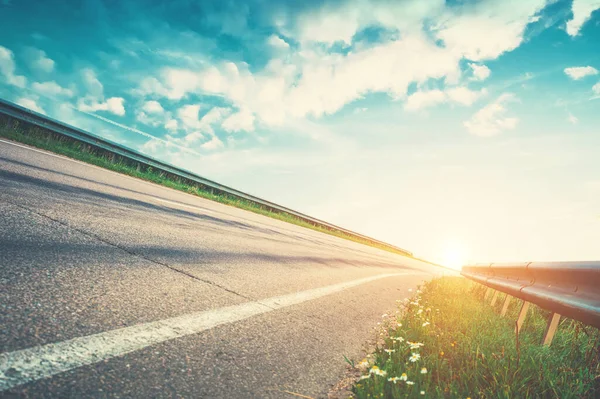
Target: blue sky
<point>462,129</point>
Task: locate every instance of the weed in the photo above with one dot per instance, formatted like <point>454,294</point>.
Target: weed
<point>448,342</point>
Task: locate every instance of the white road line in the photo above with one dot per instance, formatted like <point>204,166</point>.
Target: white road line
<point>27,365</point>
<point>197,208</point>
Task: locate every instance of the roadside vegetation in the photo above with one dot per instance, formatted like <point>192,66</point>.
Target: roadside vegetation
<point>446,342</point>
<point>41,138</point>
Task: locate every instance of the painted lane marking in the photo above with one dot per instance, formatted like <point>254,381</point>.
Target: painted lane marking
<point>27,365</point>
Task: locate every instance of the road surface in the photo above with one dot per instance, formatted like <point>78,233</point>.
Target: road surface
<point>115,287</point>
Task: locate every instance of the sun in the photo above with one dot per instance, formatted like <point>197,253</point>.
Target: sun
<point>455,255</point>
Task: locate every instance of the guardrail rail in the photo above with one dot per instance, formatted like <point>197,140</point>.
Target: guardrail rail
<point>569,289</point>
<point>22,114</point>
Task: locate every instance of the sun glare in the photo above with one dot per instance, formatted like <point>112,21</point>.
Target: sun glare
<point>454,256</point>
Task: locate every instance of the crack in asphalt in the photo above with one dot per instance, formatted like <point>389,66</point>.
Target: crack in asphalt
<point>133,253</point>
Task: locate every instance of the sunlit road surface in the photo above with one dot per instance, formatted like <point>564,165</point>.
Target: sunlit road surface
<point>114,287</point>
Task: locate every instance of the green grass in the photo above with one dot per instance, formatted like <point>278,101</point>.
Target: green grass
<point>44,139</point>
<point>471,351</point>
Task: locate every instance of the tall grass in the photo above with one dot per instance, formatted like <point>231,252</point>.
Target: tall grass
<point>469,350</point>
<point>44,139</point>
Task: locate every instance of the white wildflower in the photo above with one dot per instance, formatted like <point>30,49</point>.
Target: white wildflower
<point>363,365</point>
<point>415,345</point>
<point>377,371</point>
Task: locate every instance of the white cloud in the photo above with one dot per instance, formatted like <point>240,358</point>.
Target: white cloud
<point>7,68</point>
<point>278,43</point>
<point>91,83</point>
<point>51,88</point>
<point>480,72</point>
<point>577,73</point>
<point>153,107</point>
<point>242,120</point>
<point>150,86</point>
<point>485,30</point>
<point>94,99</point>
<point>464,96</point>
<point>114,105</point>
<point>339,21</point>
<point>31,104</point>
<point>492,119</point>
<point>172,125</point>
<point>329,82</point>
<point>179,82</point>
<point>213,144</point>
<point>424,99</point>
<point>315,82</point>
<point>596,88</point>
<point>582,11</point>
<point>189,116</point>
<point>193,137</point>
<point>152,147</point>
<point>573,119</point>
<point>215,115</point>
<point>326,25</point>
<point>147,119</point>
<point>152,113</point>
<point>39,61</point>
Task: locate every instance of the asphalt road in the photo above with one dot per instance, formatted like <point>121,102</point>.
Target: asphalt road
<point>115,287</point>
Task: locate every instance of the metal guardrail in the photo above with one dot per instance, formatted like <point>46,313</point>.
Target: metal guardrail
<point>570,289</point>
<point>57,127</point>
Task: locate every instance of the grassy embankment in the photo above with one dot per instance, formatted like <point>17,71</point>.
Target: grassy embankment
<point>469,351</point>
<point>41,138</point>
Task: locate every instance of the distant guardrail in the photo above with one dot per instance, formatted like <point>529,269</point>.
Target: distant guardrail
<point>570,289</point>
<point>25,115</point>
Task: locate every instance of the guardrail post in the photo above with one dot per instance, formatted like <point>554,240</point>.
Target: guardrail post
<point>494,298</point>
<point>522,315</point>
<point>505,306</point>
<point>551,329</point>
<point>487,293</point>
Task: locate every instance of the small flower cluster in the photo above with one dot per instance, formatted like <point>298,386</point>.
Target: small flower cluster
<point>415,345</point>
<point>395,335</point>
<point>377,371</point>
